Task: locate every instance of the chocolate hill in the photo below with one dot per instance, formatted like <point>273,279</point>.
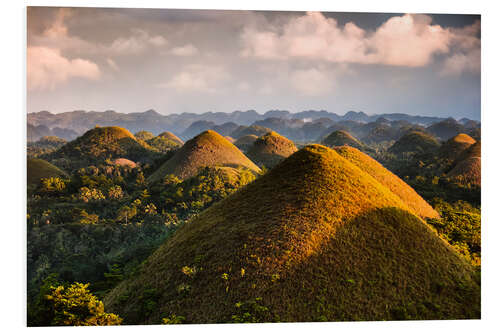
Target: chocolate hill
<point>315,239</point>
<point>270,149</point>
<point>205,150</point>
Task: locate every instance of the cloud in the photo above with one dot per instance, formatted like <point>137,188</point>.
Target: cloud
<point>462,62</point>
<point>111,63</point>
<point>138,42</point>
<point>46,68</point>
<point>408,40</point>
<point>198,78</point>
<point>311,82</point>
<point>184,51</point>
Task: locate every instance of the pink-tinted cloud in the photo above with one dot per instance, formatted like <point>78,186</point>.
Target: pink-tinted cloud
<point>46,68</point>
<point>185,51</point>
<point>408,40</point>
<point>198,78</point>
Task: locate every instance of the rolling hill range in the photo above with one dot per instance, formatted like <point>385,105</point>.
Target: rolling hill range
<point>99,144</point>
<point>270,149</point>
<point>205,150</point>
<point>38,169</point>
<point>315,239</point>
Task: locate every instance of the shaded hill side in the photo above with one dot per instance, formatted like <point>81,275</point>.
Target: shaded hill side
<point>467,171</point>
<point>341,138</point>
<point>270,149</point>
<point>316,238</point>
<point>207,149</point>
<point>38,169</point>
<point>407,194</point>
<point>415,142</point>
<point>452,148</point>
<point>245,142</point>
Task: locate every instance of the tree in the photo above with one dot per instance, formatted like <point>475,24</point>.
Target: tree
<point>76,306</point>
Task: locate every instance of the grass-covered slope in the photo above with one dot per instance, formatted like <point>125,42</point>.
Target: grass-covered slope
<point>415,142</point>
<point>270,149</point>
<point>99,144</point>
<point>205,150</point>
<point>407,194</point>
<point>314,239</point>
<point>171,136</point>
<point>245,142</point>
<point>452,148</point>
<point>342,138</point>
<point>165,141</point>
<point>38,169</point>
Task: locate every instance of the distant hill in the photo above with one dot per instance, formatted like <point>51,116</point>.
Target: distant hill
<point>446,129</point>
<point>226,128</point>
<point>314,239</point>
<point>452,148</point>
<point>249,130</point>
<point>35,133</point>
<point>270,149</point>
<point>165,141</point>
<point>245,142</point>
<point>196,128</point>
<point>38,169</point>
<point>342,138</point>
<point>99,144</point>
<point>206,149</point>
<point>284,122</point>
<point>415,142</point>
<point>144,135</point>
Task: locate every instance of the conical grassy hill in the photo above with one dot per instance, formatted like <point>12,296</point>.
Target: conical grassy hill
<point>99,144</point>
<point>38,169</point>
<point>452,148</point>
<point>342,138</point>
<point>415,142</point>
<point>270,149</point>
<point>467,171</point>
<point>314,239</point>
<point>405,192</point>
<point>467,168</point>
<point>205,150</point>
<point>165,142</point>
<point>245,142</point>
<point>171,136</point>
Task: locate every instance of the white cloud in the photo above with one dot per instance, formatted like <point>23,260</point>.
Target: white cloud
<point>408,40</point>
<point>198,78</point>
<point>312,82</point>
<point>46,68</point>
<point>184,51</point>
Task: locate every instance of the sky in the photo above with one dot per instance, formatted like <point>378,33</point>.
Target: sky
<point>174,61</point>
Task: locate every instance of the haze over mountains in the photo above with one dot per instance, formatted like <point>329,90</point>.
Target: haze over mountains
<point>296,126</point>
